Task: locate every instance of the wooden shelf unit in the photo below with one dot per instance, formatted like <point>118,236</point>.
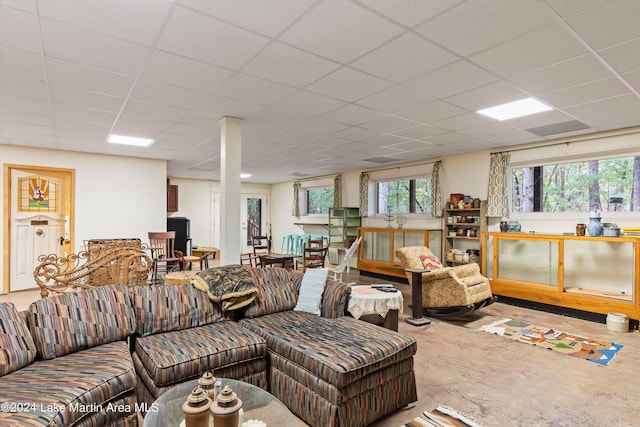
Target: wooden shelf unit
<point>376,253</point>
<point>464,242</point>
<point>593,274</point>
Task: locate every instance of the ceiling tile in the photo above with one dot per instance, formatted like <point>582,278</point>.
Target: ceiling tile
<point>567,8</point>
<point>633,78</point>
<point>268,17</point>
<point>20,103</point>
<point>21,63</point>
<point>86,78</point>
<point>624,57</point>
<point>433,111</point>
<point>355,133</point>
<point>288,65</point>
<point>354,115</point>
<point>619,104</point>
<point>83,114</point>
<point>540,119</point>
<point>251,89</point>
<point>389,124</point>
<point>340,30</point>
<point>89,48</point>
<point>16,116</point>
<point>476,25</point>
<point>152,110</point>
<point>196,36</point>
<point>85,99</point>
<point>463,121</point>
<point>404,58</point>
<point>13,85</point>
<point>308,103</point>
<point>623,17</point>
<point>451,79</point>
<point>224,106</point>
<point>561,75</point>
<point>116,18</point>
<point>395,99</point>
<point>179,71</point>
<point>348,85</point>
<point>420,132</point>
<point>588,92</point>
<point>161,93</point>
<point>409,12</point>
<point>19,30</point>
<point>410,146</point>
<point>524,53</point>
<point>149,126</point>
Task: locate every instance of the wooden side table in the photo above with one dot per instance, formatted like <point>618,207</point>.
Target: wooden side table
<point>375,306</point>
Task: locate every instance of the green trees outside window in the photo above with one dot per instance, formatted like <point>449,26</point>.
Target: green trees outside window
<point>319,200</point>
<point>607,185</point>
<point>404,196</point>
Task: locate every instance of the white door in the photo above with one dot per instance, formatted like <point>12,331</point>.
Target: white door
<point>254,211</point>
<point>37,225</point>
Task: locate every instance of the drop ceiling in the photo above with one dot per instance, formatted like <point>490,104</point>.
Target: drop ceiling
<point>323,86</point>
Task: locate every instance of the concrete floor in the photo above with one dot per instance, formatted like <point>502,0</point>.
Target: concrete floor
<point>505,383</point>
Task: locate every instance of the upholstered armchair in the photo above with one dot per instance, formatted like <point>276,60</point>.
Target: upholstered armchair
<point>447,291</point>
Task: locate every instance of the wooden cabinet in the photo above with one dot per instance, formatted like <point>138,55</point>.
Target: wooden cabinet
<point>463,230</point>
<point>172,197</point>
<point>594,274</point>
<point>376,253</point>
<point>343,226</point>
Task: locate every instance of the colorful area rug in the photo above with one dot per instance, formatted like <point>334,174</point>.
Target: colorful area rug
<point>597,351</point>
<point>443,416</point>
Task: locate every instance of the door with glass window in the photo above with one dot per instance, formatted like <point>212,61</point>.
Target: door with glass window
<point>254,219</point>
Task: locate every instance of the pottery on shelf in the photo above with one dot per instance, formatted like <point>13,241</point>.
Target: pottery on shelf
<point>595,227</point>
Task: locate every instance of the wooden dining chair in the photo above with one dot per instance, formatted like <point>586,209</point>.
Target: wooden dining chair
<point>165,257</point>
<point>313,256</point>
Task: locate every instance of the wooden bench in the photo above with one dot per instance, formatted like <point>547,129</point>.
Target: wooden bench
<point>118,261</point>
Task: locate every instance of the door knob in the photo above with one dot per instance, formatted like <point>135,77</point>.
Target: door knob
<point>39,232</point>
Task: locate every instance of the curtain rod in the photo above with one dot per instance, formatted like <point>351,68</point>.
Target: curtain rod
<point>403,166</point>
<point>569,140</point>
<point>311,178</point>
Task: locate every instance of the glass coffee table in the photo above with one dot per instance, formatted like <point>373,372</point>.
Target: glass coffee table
<point>257,404</point>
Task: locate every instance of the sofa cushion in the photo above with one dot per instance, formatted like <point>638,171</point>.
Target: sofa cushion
<point>171,308</point>
<point>174,356</point>
<point>276,291</point>
<point>311,290</point>
<point>230,286</point>
<point>17,348</point>
<point>64,324</point>
<point>339,351</point>
<point>67,390</point>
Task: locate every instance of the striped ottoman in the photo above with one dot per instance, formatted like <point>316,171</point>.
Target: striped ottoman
<point>336,372</point>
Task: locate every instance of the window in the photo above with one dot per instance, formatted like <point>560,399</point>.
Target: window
<point>404,196</point>
<point>319,200</point>
<point>609,185</point>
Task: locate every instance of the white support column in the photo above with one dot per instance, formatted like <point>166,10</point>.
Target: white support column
<point>230,166</point>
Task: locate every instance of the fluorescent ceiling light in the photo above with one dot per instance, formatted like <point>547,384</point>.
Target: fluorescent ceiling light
<point>245,175</point>
<point>130,140</point>
<point>511,110</point>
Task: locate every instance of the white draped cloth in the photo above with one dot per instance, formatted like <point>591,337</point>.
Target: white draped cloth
<point>366,300</point>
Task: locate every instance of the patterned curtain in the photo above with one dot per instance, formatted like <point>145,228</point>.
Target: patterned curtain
<point>364,194</point>
<point>436,191</point>
<point>296,200</point>
<point>337,191</point>
<point>497,196</point>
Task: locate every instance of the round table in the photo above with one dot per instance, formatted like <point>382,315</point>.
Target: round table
<point>257,404</point>
<point>369,303</point>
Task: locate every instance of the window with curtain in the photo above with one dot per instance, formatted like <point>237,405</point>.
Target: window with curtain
<point>318,200</point>
<point>401,196</point>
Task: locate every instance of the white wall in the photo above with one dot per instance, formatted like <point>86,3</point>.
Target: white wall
<point>196,201</point>
<point>114,196</point>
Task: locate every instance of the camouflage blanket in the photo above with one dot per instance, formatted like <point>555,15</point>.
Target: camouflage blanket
<point>230,286</point>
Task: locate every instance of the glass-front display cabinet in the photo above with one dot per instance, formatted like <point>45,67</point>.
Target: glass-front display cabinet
<point>595,274</point>
<point>377,250</point>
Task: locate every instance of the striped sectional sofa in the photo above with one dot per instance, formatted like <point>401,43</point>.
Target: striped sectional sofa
<point>102,356</point>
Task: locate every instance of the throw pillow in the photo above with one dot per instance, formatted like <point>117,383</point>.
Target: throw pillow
<point>430,262</point>
<point>311,290</point>
<point>17,348</point>
<point>230,286</point>
<point>276,291</point>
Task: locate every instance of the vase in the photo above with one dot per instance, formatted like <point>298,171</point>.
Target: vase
<point>504,226</point>
<point>594,228</point>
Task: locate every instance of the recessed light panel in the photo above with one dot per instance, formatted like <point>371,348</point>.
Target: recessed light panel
<point>511,110</point>
<point>130,140</point>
